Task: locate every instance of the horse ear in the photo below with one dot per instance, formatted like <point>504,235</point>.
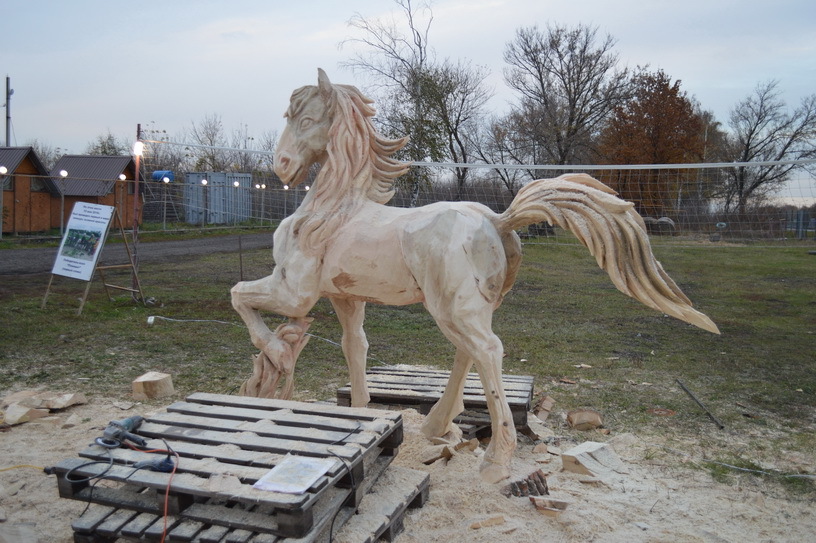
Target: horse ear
<point>323,84</point>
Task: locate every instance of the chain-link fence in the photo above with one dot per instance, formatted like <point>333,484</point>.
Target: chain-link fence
<point>680,203</point>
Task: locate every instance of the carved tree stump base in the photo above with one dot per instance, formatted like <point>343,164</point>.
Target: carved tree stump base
<point>276,378</point>
<point>267,381</point>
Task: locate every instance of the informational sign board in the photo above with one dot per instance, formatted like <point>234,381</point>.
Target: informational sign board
<point>83,241</point>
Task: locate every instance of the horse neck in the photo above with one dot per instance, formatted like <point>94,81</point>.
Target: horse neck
<point>330,204</point>
<point>336,189</point>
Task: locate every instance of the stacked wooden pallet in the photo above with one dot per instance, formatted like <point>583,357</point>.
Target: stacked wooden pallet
<point>420,388</point>
<point>224,445</point>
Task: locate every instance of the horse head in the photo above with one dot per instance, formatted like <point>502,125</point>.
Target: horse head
<point>306,136</point>
<point>332,125</point>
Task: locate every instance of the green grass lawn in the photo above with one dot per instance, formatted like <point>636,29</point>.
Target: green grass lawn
<point>757,378</point>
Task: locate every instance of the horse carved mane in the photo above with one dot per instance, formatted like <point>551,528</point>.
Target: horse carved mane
<point>359,167</point>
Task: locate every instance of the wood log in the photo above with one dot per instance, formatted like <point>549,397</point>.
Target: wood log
<point>152,385</point>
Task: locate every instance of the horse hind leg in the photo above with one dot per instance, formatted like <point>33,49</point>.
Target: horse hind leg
<point>496,463</point>
<point>351,315</point>
<point>471,333</point>
<point>439,422</point>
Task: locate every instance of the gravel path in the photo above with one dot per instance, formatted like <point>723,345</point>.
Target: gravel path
<point>41,260</point>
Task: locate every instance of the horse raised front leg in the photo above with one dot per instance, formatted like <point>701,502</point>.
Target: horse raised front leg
<point>279,349</point>
<point>351,315</point>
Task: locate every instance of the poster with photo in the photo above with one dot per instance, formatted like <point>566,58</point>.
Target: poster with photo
<point>82,243</point>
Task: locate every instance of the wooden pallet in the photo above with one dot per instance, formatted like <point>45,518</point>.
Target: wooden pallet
<point>380,516</point>
<point>225,444</point>
<point>420,388</point>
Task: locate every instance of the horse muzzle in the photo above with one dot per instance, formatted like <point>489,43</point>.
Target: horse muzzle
<point>289,170</point>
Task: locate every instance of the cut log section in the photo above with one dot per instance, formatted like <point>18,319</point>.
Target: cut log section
<point>151,385</point>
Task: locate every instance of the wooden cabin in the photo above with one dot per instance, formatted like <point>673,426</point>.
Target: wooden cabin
<point>33,197</point>
<point>106,180</point>
<point>27,192</point>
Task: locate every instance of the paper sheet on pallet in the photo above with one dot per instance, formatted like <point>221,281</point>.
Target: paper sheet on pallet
<point>294,474</point>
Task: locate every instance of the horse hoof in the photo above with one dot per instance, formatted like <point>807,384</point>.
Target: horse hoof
<point>493,473</point>
<point>452,435</point>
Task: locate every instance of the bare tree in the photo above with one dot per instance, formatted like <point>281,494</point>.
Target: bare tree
<point>398,64</point>
<point>160,155</point>
<point>569,83</point>
<point>48,154</point>
<point>242,157</point>
<point>494,143</point>
<point>457,96</point>
<point>434,103</point>
<point>762,130</point>
<point>268,142</point>
<point>108,145</point>
<point>209,133</point>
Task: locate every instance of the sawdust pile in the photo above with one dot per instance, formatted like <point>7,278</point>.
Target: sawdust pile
<point>659,499</point>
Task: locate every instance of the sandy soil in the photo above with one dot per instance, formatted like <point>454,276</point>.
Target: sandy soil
<point>659,499</point>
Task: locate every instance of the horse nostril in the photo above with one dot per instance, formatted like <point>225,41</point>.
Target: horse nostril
<point>282,161</point>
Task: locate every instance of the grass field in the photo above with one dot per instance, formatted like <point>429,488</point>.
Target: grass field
<point>564,322</point>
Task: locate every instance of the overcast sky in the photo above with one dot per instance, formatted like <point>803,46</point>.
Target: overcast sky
<point>81,68</point>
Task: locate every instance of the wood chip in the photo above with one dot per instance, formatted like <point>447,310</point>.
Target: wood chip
<point>534,484</point>
<point>436,452</point>
<point>18,414</point>
<point>584,419</point>
<point>492,521</point>
<point>541,448</point>
<point>466,446</point>
<point>592,458</point>
<point>549,506</point>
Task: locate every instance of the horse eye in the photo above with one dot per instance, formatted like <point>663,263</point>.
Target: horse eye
<point>306,123</point>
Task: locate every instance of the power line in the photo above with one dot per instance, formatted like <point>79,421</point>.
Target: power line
<point>558,167</point>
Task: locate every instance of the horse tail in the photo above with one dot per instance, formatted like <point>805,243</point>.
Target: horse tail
<point>614,233</point>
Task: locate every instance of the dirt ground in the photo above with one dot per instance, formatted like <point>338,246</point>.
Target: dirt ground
<point>662,498</point>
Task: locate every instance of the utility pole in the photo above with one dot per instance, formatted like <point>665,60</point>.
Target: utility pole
<point>9,92</point>
<point>138,149</point>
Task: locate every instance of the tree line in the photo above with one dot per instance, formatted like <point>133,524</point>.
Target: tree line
<point>574,104</point>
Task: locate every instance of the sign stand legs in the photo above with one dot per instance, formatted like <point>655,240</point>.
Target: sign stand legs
<point>136,288</point>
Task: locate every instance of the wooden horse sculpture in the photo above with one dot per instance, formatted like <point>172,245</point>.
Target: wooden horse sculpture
<point>459,259</point>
